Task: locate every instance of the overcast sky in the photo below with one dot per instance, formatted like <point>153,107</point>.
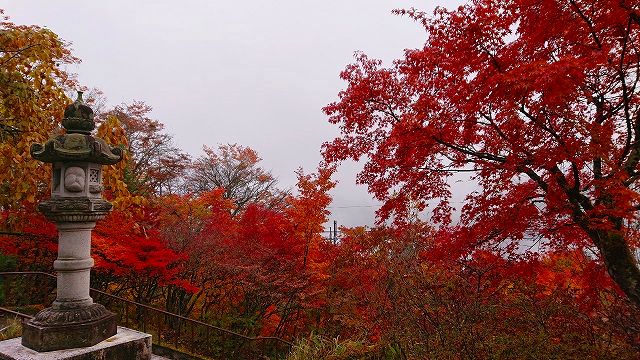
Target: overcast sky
<point>256,73</point>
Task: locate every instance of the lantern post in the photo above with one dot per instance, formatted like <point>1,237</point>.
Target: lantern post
<point>77,157</point>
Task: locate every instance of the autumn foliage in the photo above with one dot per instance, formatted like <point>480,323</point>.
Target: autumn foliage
<point>534,101</point>
<point>32,84</point>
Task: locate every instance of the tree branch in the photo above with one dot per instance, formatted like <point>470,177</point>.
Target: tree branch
<point>16,53</point>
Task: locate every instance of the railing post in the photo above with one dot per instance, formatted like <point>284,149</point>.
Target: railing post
<point>207,338</point>
<point>192,326</point>
<point>177,335</point>
<point>126,314</point>
<point>144,320</point>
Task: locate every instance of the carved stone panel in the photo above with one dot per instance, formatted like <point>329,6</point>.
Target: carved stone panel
<point>74,178</point>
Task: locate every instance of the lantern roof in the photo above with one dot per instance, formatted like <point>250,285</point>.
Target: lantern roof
<point>77,144</point>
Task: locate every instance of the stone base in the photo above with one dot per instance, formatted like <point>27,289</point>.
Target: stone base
<point>53,329</point>
<point>127,344</point>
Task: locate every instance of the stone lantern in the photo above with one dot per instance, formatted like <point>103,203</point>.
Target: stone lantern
<point>73,320</point>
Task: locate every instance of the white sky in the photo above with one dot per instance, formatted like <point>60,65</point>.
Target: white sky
<point>256,73</point>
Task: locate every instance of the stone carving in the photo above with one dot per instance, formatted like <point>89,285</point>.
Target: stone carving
<point>50,316</point>
<point>74,179</point>
<point>75,209</point>
<point>78,117</point>
<point>73,319</point>
<point>94,175</point>
<point>76,147</point>
<point>77,144</point>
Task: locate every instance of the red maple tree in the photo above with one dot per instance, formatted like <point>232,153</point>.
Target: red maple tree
<point>538,100</point>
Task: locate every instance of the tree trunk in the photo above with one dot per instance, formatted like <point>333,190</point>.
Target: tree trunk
<point>619,260</point>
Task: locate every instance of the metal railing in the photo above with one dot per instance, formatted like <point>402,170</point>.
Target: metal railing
<point>196,330</point>
<point>15,313</point>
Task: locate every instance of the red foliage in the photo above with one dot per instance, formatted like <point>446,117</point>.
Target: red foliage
<point>30,237</point>
<point>131,248</point>
<point>385,286</point>
<point>536,99</point>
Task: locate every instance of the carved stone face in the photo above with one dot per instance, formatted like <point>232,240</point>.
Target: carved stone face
<point>74,179</point>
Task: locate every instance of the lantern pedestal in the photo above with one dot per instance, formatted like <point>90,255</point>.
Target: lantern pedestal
<point>73,320</point>
<point>67,334</point>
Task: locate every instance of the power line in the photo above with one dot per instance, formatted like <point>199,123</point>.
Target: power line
<point>374,206</point>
